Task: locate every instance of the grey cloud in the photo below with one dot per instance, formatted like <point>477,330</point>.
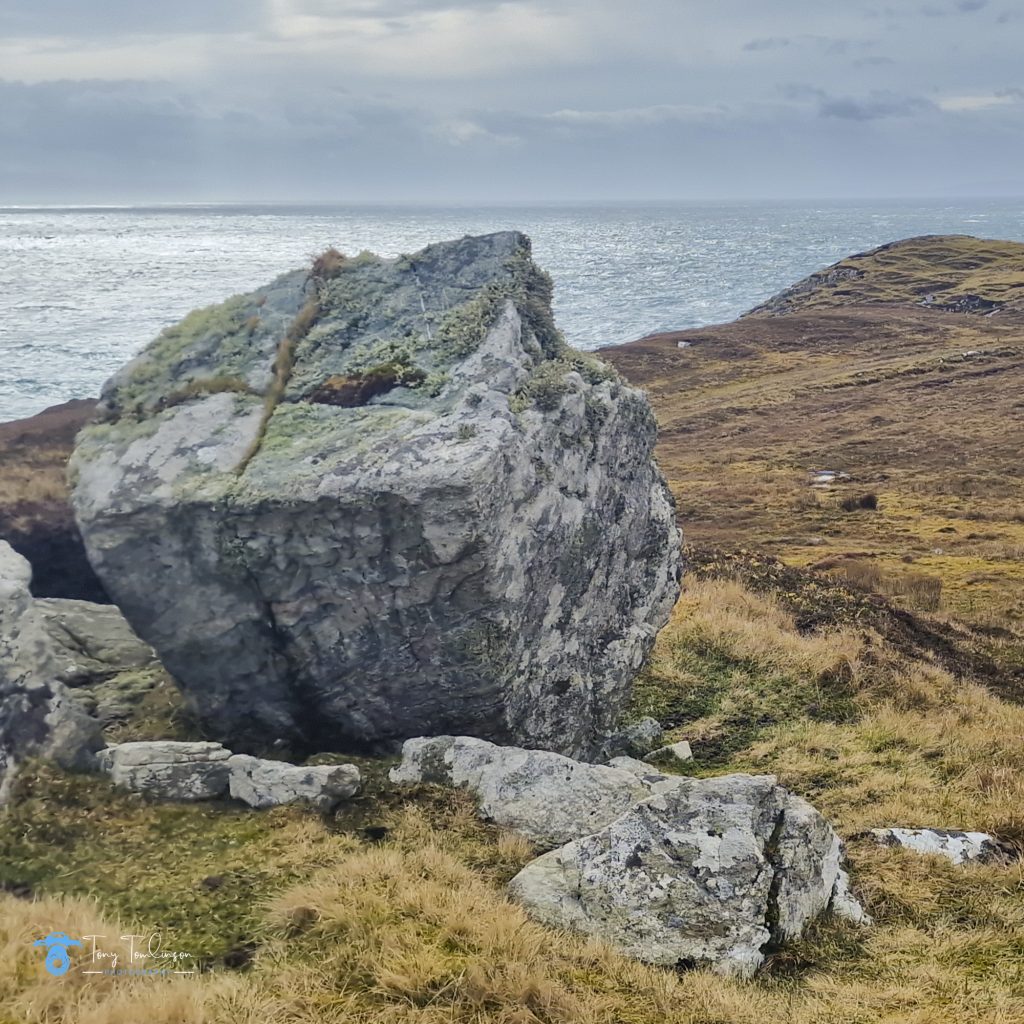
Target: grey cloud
<point>874,107</point>
<point>91,19</point>
<point>768,43</point>
<point>969,6</point>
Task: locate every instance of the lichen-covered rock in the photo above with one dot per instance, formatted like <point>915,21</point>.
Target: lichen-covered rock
<point>38,715</point>
<point>168,769</point>
<point>91,642</point>
<point>959,847</point>
<point>635,739</point>
<point>382,499</point>
<point>708,872</point>
<point>542,795</point>
<point>261,783</point>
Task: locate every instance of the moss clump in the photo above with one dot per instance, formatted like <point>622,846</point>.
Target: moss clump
<point>464,327</point>
<point>547,384</point>
<point>204,386</point>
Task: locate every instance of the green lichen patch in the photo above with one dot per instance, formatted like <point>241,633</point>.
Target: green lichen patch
<point>546,386</point>
<point>180,352</point>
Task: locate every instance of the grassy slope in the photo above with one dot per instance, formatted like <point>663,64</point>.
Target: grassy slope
<point>877,712</point>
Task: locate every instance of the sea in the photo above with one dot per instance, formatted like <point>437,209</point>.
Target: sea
<point>82,289</point>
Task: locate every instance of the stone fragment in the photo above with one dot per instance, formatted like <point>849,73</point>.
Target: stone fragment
<point>169,769</point>
<point>959,847</point>
<point>261,783</point>
<point>673,752</point>
<point>542,795</point>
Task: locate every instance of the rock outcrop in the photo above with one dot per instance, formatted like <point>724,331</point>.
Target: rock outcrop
<point>707,872</point>
<point>383,499</point>
<point>38,715</point>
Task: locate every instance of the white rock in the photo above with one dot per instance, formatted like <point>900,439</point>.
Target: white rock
<point>676,751</point>
<point>959,847</point>
<point>709,872</point>
<point>544,796</point>
<point>261,783</point>
<point>168,769</point>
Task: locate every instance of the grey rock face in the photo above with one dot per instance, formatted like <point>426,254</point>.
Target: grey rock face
<point>91,642</point>
<point>959,847</point>
<point>168,769</point>
<point>261,783</point>
<point>544,796</point>
<point>448,522</point>
<point>710,871</point>
<point>38,715</point>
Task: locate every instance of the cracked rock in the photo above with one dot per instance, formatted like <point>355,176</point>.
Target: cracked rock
<point>382,499</point>
<point>709,872</point>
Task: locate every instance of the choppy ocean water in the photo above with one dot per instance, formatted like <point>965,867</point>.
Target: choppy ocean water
<point>83,289</point>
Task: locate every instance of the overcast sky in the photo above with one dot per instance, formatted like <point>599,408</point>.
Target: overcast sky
<point>478,100</point>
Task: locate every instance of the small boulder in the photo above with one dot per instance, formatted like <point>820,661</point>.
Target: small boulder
<point>959,847</point>
<point>709,872</point>
<point>544,796</point>
<point>635,739</point>
<point>38,714</point>
<point>169,769</point>
<point>261,783</point>
<point>674,752</point>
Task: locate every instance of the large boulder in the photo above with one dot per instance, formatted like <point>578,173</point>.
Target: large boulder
<point>38,715</point>
<point>707,872</point>
<point>381,499</point>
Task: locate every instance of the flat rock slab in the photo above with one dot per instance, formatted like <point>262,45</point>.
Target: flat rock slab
<point>261,783</point>
<point>169,770</point>
<point>959,847</point>
<point>378,499</point>
<point>542,795</point>
<point>709,872</point>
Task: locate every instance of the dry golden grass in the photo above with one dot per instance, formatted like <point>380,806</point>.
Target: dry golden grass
<point>417,928</point>
<point>920,407</point>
